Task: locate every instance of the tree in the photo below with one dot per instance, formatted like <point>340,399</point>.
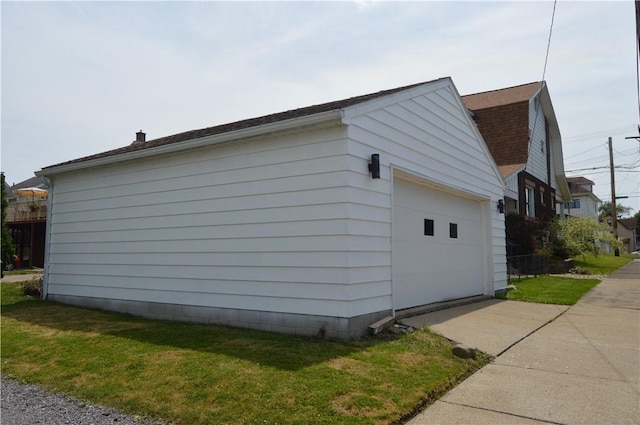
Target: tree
<point>8,248</point>
<point>606,210</point>
<point>582,235</point>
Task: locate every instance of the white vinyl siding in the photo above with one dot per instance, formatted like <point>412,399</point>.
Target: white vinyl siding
<point>285,223</point>
<point>428,135</point>
<point>582,206</point>
<point>539,149</point>
<point>537,162</point>
<point>260,224</point>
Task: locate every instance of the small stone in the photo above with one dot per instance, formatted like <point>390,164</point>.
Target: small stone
<point>402,329</point>
<point>464,352</point>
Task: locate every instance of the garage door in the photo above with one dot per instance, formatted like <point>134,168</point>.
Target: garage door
<point>437,249</point>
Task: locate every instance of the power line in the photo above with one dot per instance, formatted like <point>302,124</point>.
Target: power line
<point>544,68</point>
<point>582,153</point>
<point>546,57</point>
<point>617,167</point>
<point>638,53</point>
<point>600,134</point>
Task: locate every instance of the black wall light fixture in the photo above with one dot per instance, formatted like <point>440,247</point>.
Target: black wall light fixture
<point>374,166</point>
<point>501,206</point>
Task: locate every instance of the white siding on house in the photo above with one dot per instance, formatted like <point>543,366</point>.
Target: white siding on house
<point>427,135</point>
<point>285,224</point>
<point>511,184</point>
<point>588,207</point>
<point>537,162</point>
<point>207,227</point>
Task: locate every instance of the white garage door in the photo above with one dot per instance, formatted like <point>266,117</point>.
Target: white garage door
<point>437,245</point>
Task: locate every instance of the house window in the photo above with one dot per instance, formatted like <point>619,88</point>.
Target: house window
<point>575,204</point>
<point>529,201</point>
<point>428,227</point>
<point>453,230</point>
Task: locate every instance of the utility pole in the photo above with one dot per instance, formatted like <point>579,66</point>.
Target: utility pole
<point>614,210</point>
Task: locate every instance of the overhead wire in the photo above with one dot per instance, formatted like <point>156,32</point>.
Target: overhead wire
<point>544,69</point>
<point>583,152</point>
<point>637,4</point>
<point>601,134</point>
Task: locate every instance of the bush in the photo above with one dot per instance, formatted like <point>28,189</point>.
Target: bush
<point>581,236</point>
<point>525,232</point>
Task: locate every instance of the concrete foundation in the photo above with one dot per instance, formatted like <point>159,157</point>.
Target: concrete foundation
<point>286,323</point>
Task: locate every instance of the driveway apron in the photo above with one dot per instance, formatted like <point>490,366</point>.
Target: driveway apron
<point>581,366</point>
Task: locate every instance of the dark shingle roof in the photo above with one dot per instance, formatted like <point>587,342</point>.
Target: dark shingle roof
<point>35,181</point>
<point>579,180</point>
<point>240,125</point>
<point>629,223</point>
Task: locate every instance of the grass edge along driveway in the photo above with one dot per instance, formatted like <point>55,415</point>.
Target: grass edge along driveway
<point>205,374</point>
<point>553,289</point>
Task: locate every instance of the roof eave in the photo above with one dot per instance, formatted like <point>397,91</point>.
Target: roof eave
<point>245,133</point>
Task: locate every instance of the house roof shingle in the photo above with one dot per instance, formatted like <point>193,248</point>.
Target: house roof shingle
<point>579,180</point>
<point>628,223</point>
<point>243,124</point>
<point>36,181</point>
<point>502,117</point>
<point>501,97</point>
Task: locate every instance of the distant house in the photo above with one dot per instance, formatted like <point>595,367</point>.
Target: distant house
<point>627,234</point>
<point>320,219</point>
<point>584,203</point>
<point>520,128</point>
<point>26,218</point>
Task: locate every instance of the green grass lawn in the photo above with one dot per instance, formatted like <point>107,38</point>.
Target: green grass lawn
<point>563,290</point>
<point>202,374</point>
<point>550,289</point>
<point>603,264</point>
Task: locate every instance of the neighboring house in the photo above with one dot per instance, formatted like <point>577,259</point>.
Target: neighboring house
<point>627,234</point>
<point>520,128</point>
<point>26,220</point>
<point>286,222</point>
<point>584,203</point>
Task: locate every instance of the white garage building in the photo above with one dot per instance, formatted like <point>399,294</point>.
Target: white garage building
<point>280,222</point>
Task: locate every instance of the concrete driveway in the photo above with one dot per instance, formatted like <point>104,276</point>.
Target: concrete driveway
<point>554,365</point>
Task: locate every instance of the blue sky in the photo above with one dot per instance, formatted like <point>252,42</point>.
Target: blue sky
<point>80,78</point>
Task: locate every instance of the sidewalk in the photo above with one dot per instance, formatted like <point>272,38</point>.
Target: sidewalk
<point>581,367</point>
<point>21,277</point>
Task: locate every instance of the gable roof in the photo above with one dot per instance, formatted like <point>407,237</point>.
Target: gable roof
<point>579,180</point>
<point>502,116</point>
<point>501,97</point>
<point>36,181</point>
<point>238,125</point>
<point>628,223</point>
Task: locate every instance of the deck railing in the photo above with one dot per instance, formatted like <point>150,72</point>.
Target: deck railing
<point>26,210</point>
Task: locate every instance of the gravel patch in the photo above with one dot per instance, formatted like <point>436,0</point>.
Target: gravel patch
<point>582,276</point>
<point>27,404</point>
